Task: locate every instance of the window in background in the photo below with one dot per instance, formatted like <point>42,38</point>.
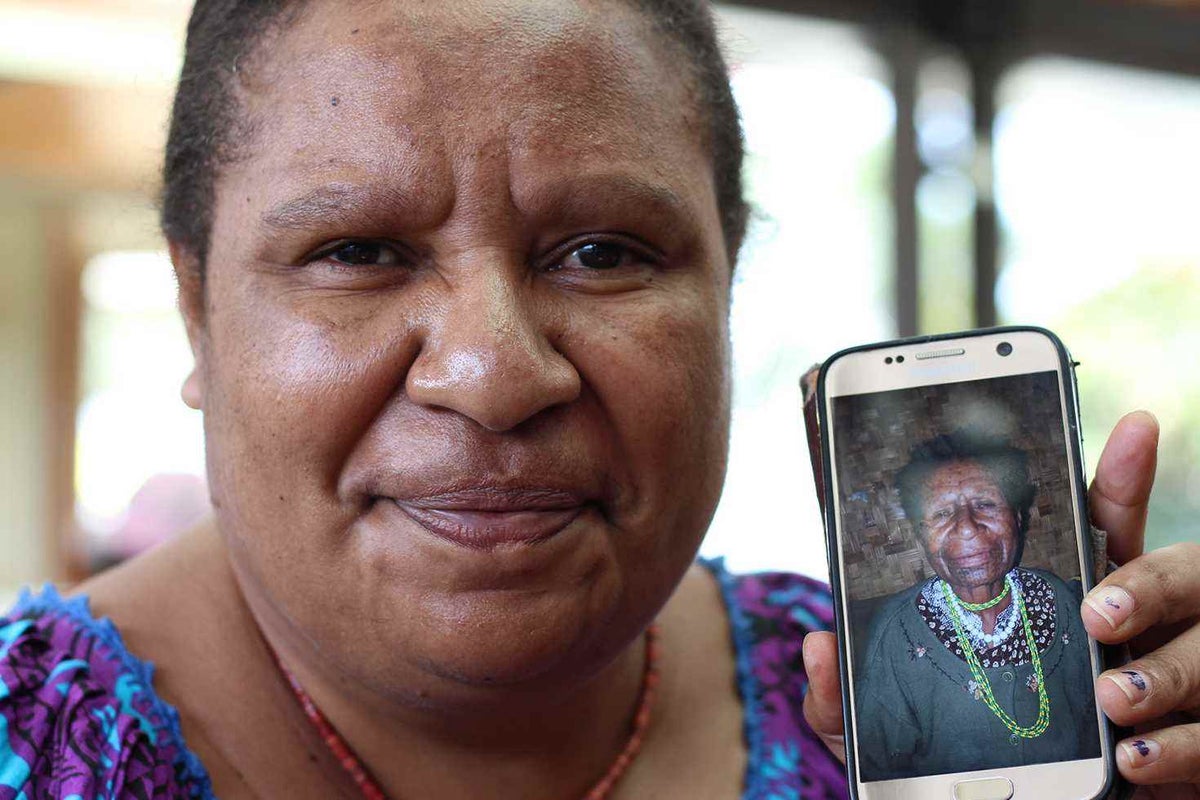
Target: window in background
<point>139,451</point>
<point>1097,180</point>
<point>816,271</point>
<point>946,196</point>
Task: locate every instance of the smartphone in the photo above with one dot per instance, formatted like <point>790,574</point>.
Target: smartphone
<point>959,553</point>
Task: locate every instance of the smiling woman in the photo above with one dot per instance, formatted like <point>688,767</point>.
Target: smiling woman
<point>459,308</point>
<point>478,385</point>
<point>970,501</point>
<point>456,279</point>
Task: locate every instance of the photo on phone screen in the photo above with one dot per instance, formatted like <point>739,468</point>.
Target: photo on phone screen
<point>963,577</point>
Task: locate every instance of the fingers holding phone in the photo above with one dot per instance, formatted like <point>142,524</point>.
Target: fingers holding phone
<point>1158,693</point>
<point>1151,603</point>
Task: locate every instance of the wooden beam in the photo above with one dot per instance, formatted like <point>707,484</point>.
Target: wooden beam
<point>64,307</point>
<point>870,13</point>
<point>1159,37</point>
<point>985,73</point>
<point>904,49</point>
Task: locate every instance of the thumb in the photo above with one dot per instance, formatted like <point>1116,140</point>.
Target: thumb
<point>1120,492</point>
<point>823,702</point>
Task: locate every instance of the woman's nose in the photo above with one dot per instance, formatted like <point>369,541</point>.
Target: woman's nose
<point>488,357</point>
<point>965,524</point>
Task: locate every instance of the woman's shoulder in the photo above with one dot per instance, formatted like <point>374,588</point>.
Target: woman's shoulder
<point>770,613</point>
<point>79,717</point>
<point>883,614</point>
<point>781,606</point>
<point>1065,589</point>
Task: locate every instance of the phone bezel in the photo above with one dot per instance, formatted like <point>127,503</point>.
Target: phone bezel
<point>1052,774</point>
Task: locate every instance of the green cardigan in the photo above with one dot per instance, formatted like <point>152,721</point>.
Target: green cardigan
<point>916,718</point>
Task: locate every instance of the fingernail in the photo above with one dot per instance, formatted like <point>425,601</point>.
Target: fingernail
<point>1141,752</point>
<point>1134,684</point>
<point>1111,602</point>
<point>1146,415</point>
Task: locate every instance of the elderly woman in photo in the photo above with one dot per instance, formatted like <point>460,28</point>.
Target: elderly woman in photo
<point>985,664</point>
<point>456,277</point>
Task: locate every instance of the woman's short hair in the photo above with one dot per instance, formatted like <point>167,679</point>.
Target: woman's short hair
<point>207,125</point>
<point>1008,465</point>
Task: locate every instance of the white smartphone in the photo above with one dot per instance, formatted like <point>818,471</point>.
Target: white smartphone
<point>959,553</point>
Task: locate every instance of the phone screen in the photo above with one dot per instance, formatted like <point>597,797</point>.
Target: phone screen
<point>962,578</point>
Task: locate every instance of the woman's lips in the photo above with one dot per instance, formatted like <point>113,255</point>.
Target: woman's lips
<point>972,559</point>
<point>483,518</point>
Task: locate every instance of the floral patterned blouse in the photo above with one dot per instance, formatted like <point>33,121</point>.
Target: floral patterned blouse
<point>80,720</point>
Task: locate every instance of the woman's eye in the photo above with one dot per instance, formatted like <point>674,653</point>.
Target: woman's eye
<point>364,254</point>
<point>599,256</point>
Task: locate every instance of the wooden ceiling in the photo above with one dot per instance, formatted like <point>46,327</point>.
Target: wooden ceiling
<point>1154,34</point>
<point>81,127</point>
<point>58,133</point>
<point>71,138</point>
<point>173,8</point>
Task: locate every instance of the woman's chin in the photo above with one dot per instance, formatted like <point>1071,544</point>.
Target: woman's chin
<point>510,638</point>
<point>460,642</point>
<point>964,579</point>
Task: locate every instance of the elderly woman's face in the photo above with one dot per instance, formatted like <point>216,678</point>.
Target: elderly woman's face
<point>969,531</point>
<point>464,359</point>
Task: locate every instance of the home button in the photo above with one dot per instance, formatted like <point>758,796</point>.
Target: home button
<point>985,789</point>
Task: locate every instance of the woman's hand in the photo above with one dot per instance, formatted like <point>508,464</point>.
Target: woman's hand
<point>1152,602</point>
<point>1159,616</point>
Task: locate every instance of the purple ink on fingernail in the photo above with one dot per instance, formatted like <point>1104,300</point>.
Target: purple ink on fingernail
<point>1140,746</point>
<point>1137,680</point>
<point>1108,601</point>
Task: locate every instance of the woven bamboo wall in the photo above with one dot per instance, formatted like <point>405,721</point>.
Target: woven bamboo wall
<point>873,437</point>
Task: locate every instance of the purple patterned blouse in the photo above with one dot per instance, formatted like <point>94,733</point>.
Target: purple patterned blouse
<point>80,720</point>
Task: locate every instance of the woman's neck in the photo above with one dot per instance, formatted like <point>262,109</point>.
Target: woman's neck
<point>183,608</point>
<point>982,593</point>
<point>442,738</point>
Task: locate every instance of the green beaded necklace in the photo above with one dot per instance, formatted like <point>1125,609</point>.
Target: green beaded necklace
<point>988,604</point>
<point>981,679</point>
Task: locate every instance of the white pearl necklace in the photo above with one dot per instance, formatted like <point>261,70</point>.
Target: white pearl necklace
<point>972,624</point>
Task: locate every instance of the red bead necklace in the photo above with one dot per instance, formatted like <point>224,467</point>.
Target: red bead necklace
<point>371,790</point>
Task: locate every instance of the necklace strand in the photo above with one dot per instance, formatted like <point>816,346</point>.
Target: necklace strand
<point>371,790</point>
<point>973,624</point>
<point>984,606</point>
<point>985,686</point>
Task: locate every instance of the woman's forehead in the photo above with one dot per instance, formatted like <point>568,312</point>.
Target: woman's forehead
<point>960,474</point>
<point>428,91</point>
<point>541,70</point>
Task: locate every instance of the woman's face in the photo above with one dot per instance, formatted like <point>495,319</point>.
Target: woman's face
<point>968,530</point>
<point>463,353</point>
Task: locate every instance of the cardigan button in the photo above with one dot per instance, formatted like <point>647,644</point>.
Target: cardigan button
<point>1008,676</point>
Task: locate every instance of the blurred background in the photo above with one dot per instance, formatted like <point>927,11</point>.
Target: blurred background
<point>916,167</point>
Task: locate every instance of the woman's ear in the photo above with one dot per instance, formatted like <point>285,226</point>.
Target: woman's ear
<point>189,274</point>
<point>192,391</point>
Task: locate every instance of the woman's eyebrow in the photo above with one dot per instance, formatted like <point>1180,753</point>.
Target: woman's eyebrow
<point>586,193</point>
<point>335,203</point>
<point>354,203</point>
